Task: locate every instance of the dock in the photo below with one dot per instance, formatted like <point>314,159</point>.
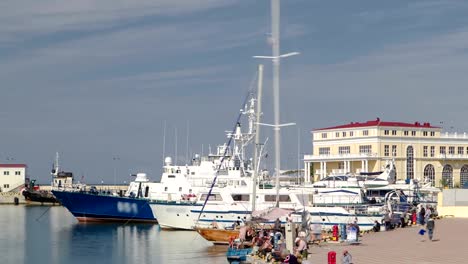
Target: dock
<point>404,245</point>
<point>401,245</point>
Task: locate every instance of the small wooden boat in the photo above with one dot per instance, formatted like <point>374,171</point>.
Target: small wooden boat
<point>218,236</point>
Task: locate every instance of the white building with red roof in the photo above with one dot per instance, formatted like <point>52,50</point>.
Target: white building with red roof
<point>420,151</point>
<point>12,177</point>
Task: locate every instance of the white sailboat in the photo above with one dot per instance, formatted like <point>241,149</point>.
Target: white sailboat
<point>228,205</point>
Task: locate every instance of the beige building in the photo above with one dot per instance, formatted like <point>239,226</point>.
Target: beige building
<point>12,176</point>
<point>421,151</point>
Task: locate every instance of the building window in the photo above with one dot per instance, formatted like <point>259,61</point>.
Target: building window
<point>447,176</point>
<point>413,133</point>
<point>337,134</point>
<point>410,162</point>
<point>442,150</point>
<point>432,133</point>
<point>180,189</point>
<point>324,151</point>
<point>386,132</point>
<point>429,174</point>
<point>425,133</point>
<point>351,133</point>
<point>424,151</point>
<point>451,150</point>
<point>394,150</point>
<point>463,175</point>
<point>432,151</point>
<point>17,172</point>
<point>341,165</point>
<point>6,185</point>
<point>365,149</point>
<point>344,150</point>
<point>406,133</point>
<point>460,150</point>
<point>365,132</point>
<point>324,135</point>
<point>393,132</point>
<point>344,134</point>
<point>6,173</point>
<point>386,150</point>
<point>165,189</point>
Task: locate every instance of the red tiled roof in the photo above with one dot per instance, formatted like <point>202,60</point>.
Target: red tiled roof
<point>13,166</point>
<point>380,123</point>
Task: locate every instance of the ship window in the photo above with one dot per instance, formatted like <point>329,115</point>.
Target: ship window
<point>240,197</point>
<point>180,189</point>
<point>165,189</point>
<point>171,176</point>
<point>213,197</point>
<point>146,191</point>
<point>282,198</point>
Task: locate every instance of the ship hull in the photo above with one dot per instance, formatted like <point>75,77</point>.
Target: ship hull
<point>89,207</point>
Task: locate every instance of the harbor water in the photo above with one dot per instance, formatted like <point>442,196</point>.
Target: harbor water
<point>42,234</point>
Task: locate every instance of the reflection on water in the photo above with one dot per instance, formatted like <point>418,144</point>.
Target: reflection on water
<point>39,234</point>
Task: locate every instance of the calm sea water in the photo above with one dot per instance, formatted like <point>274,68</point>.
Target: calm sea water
<point>41,234</point>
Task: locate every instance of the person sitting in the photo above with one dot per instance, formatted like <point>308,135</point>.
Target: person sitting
<point>266,247</point>
<point>376,227</point>
<point>291,259</point>
<point>301,247</point>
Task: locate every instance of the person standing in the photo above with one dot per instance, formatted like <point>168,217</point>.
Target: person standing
<point>347,258</point>
<point>422,214</point>
<point>430,225</point>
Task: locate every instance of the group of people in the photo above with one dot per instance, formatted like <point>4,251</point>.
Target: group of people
<point>417,215</point>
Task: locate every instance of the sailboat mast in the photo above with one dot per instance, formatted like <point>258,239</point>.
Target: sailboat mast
<point>257,135</point>
<point>275,35</point>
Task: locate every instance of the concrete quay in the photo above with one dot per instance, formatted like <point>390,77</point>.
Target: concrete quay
<point>403,245</point>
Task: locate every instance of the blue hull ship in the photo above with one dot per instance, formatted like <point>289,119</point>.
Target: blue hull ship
<point>98,207</point>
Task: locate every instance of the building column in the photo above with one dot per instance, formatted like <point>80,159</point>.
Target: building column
<point>362,165</point>
<point>321,170</point>
<point>325,170</point>
<point>306,171</point>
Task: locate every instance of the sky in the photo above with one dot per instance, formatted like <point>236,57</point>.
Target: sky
<point>114,86</point>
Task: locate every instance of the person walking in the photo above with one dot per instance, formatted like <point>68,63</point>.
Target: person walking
<point>430,225</point>
<point>347,258</point>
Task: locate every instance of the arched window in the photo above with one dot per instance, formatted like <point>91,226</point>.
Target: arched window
<point>464,175</point>
<point>410,162</point>
<point>429,174</point>
<point>447,176</point>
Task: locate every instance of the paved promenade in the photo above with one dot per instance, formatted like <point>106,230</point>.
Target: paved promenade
<point>405,245</point>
